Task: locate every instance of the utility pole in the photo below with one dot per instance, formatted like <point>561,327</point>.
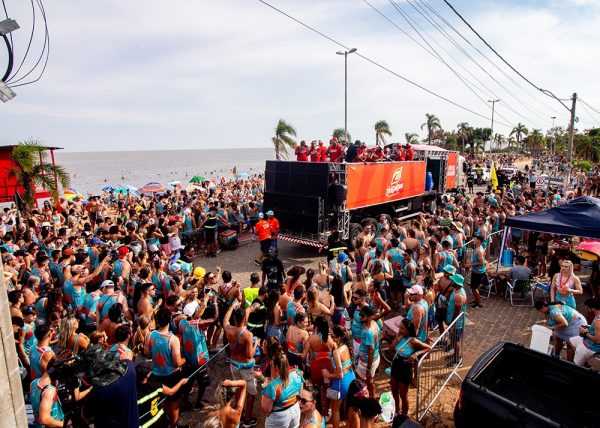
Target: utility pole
<point>553,139</point>
<point>345,53</point>
<point>571,129</point>
<point>492,136</point>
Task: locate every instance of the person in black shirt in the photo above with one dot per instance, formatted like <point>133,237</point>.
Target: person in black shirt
<point>272,271</point>
<point>150,393</point>
<point>562,251</point>
<point>257,314</point>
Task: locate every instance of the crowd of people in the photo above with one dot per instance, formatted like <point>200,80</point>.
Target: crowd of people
<point>340,151</point>
<point>121,274</point>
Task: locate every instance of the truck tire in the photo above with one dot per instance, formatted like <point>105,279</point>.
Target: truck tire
<point>355,229</point>
<point>369,221</point>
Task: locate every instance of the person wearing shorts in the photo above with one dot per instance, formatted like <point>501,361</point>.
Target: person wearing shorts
<point>368,353</point>
<point>478,271</point>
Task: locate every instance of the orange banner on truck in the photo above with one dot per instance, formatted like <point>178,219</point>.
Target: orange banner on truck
<point>451,170</point>
<point>378,183</point>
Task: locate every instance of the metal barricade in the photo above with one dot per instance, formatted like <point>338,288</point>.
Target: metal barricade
<point>436,368</point>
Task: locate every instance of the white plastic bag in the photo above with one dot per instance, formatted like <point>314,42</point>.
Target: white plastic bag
<point>386,400</point>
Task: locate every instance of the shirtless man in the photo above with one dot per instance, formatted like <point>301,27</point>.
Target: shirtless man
<point>242,361</point>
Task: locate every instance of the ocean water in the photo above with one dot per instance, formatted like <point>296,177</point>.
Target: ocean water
<point>91,171</point>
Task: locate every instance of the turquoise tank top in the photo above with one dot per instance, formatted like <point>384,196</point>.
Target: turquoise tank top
<point>36,398</point>
<point>161,353</point>
<point>450,313</point>
<point>589,343</point>
<point>422,327</point>
<point>475,259</point>
<point>566,311</point>
<point>403,349</point>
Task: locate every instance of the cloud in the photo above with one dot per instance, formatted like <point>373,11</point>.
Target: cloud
<point>131,74</point>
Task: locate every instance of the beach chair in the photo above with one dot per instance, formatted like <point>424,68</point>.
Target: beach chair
<point>491,285</point>
<point>544,288</point>
<point>522,289</point>
<point>540,339</point>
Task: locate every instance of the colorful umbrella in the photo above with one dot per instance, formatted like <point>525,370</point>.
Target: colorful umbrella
<point>70,194</point>
<point>125,187</point>
<point>108,188</point>
<point>174,185</point>
<point>153,187</point>
<point>589,249</point>
<point>197,179</point>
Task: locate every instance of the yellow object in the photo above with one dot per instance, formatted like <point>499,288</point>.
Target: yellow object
<point>493,176</point>
<point>199,272</point>
<point>586,255</point>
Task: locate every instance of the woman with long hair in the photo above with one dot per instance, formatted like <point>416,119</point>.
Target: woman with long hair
<point>309,282</point>
<point>320,347</point>
<point>310,416</point>
<point>69,341</point>
<point>565,285</point>
<point>357,391</point>
<point>342,375</point>
<point>297,341</point>
<point>315,307</point>
<point>407,348</point>
<point>564,321</point>
<point>280,395</point>
<point>274,324</point>
<point>341,294</point>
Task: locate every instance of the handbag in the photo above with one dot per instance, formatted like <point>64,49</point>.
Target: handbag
<point>333,394</point>
<point>22,369</point>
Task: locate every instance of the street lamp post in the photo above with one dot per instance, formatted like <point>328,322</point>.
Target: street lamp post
<point>553,139</point>
<point>345,53</point>
<point>493,109</point>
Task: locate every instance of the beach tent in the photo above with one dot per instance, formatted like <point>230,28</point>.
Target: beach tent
<point>578,217</point>
<point>197,179</point>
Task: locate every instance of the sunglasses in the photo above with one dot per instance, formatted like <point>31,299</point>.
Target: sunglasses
<point>303,400</point>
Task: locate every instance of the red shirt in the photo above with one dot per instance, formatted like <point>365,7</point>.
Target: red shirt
<point>335,152</point>
<point>400,155</point>
<point>263,230</point>
<point>274,223</point>
<point>315,154</point>
<point>301,153</point>
<point>322,150</point>
<point>410,154</point>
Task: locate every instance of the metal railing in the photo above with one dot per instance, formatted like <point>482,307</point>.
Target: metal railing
<point>438,366</point>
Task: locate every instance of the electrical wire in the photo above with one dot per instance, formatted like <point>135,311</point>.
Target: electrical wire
<point>376,63</point>
<point>594,109</point>
<point>543,91</point>
<point>421,7</point>
<point>45,47</point>
<point>501,70</point>
<point>6,13</point>
<point>490,94</point>
<point>589,113</point>
<point>28,44</point>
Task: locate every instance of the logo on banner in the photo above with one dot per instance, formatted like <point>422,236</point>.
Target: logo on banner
<point>396,184</point>
<point>451,170</point>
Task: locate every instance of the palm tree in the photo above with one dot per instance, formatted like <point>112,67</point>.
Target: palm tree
<point>511,142</point>
<point>518,131</point>
<point>499,141</point>
<point>381,128</point>
<point>282,139</point>
<point>432,124</point>
<point>464,133</point>
<point>535,141</point>
<point>32,168</point>
<point>411,138</point>
<point>340,134</point>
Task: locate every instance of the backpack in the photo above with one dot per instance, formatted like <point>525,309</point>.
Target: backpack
<point>100,367</point>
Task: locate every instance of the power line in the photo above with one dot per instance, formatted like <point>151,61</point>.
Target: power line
<point>589,114</point>
<point>28,44</point>
<point>422,11</point>
<point>501,70</point>
<point>597,111</point>
<point>544,91</point>
<point>374,62</point>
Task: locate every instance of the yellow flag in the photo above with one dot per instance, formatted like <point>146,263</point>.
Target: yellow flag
<point>493,176</point>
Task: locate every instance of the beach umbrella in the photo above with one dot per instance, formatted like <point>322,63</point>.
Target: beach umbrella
<point>71,193</point>
<point>108,188</point>
<point>197,179</point>
<point>174,185</point>
<point>242,175</point>
<point>125,187</point>
<point>589,249</point>
<point>153,187</point>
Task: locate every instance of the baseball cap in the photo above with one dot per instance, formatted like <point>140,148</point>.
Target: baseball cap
<point>261,215</point>
<point>342,257</point>
<point>270,212</point>
<point>449,269</point>
<point>29,310</point>
<point>199,272</point>
<point>123,251</point>
<point>96,240</point>
<point>458,279</point>
<point>415,289</point>
<point>69,252</point>
<point>190,309</point>
<point>174,268</point>
<point>107,283</point>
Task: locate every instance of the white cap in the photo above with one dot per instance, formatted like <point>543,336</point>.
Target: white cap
<point>190,309</point>
<point>107,283</point>
<point>415,289</point>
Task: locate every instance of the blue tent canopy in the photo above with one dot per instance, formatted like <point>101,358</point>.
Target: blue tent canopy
<point>579,217</point>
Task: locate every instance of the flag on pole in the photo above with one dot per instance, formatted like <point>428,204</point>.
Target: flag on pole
<point>493,176</point>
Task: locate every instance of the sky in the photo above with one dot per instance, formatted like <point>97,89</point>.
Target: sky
<point>152,75</point>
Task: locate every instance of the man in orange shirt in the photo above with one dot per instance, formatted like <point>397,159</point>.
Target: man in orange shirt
<point>263,231</point>
<point>274,223</point>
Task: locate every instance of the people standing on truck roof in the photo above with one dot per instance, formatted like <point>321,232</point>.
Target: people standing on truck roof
<point>588,343</point>
<point>352,152</point>
<point>335,151</point>
<point>410,152</point>
<point>301,152</point>
<point>564,321</point>
<point>314,151</point>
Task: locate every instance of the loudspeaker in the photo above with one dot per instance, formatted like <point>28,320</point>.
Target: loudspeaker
<point>337,194</point>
